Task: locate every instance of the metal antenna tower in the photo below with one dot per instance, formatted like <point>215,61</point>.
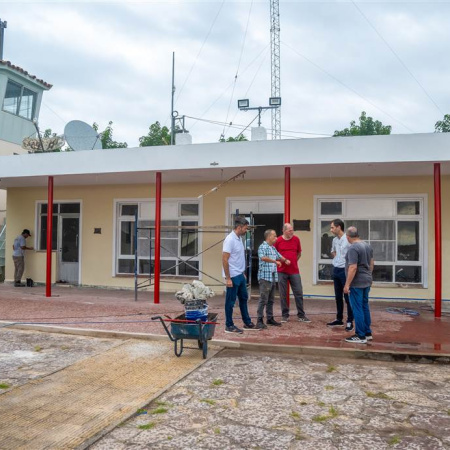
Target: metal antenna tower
<point>275,64</point>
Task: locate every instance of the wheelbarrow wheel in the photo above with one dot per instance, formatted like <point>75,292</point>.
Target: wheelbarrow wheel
<point>205,349</point>
<point>200,344</point>
<point>178,351</point>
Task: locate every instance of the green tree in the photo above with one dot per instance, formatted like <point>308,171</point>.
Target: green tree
<point>106,137</point>
<point>443,126</point>
<point>157,135</point>
<point>238,138</point>
<point>367,127</point>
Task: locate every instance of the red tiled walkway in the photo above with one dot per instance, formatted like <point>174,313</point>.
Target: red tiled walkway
<point>116,310</point>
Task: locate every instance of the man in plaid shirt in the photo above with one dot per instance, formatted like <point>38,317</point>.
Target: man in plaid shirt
<point>269,260</point>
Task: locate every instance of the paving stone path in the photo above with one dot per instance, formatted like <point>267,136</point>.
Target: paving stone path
<point>30,355</point>
<point>252,401</point>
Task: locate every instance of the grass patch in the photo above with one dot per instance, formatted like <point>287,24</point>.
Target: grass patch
<point>218,382</point>
<point>329,388</point>
<point>4,386</point>
<point>147,426</point>
<point>320,404</point>
<point>169,438</point>
<point>320,418</point>
<point>448,412</point>
<point>141,411</point>
<point>381,395</point>
<point>333,412</point>
<point>298,435</point>
<point>208,400</point>
<point>216,430</point>
<point>159,403</point>
<point>37,348</point>
<point>394,440</point>
<point>159,410</point>
<point>295,415</point>
<point>64,347</point>
<point>330,369</point>
<point>303,403</point>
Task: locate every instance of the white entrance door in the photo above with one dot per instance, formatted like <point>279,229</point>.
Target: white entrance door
<point>68,248</point>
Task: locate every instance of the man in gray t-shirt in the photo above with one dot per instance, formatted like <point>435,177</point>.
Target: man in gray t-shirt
<point>359,267</point>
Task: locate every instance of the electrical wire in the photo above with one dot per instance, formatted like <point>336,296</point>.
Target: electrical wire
<point>251,84</point>
<point>238,126</point>
<point>238,67</point>
<point>397,56</point>
<point>230,85</point>
<point>346,86</point>
<point>200,51</point>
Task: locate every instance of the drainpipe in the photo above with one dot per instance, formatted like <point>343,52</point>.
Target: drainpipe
<point>437,242</point>
<point>287,209</point>
<point>48,281</point>
<point>157,239</point>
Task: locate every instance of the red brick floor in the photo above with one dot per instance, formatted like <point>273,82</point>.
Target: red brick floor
<point>116,310</point>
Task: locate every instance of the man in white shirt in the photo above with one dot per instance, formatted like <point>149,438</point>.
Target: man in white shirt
<point>19,247</point>
<point>339,249</point>
<point>233,262</point>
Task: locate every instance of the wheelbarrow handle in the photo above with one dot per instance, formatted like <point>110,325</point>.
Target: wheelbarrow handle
<point>165,327</point>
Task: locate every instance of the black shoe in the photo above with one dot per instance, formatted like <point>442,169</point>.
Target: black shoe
<point>251,327</point>
<point>335,323</point>
<point>369,336</point>
<point>273,322</point>
<point>304,319</point>
<point>233,329</point>
<point>285,319</point>
<point>349,326</point>
<point>19,285</point>
<point>260,325</point>
<point>355,339</point>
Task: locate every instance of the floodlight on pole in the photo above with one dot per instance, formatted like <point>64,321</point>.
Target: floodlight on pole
<point>244,103</point>
<point>274,103</point>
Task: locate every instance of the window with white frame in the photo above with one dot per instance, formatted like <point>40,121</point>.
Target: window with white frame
<point>179,238</point>
<point>393,226</point>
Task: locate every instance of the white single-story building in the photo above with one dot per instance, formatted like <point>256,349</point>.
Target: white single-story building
<point>385,185</point>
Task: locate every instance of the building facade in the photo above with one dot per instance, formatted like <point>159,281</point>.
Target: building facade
<point>384,185</point>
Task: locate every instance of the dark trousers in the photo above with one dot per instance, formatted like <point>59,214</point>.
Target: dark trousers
<point>238,290</point>
<point>296,284</point>
<point>339,283</point>
<point>266,299</point>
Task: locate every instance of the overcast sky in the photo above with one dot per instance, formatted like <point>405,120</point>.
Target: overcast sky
<point>113,61</point>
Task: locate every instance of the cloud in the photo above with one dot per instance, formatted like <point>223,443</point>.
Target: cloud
<point>112,61</point>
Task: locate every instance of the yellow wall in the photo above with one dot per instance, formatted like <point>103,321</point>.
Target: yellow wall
<point>97,212</point>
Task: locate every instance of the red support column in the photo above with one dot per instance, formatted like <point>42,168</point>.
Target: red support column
<point>157,238</point>
<point>287,208</point>
<point>48,279</point>
<point>437,242</point>
<point>287,195</point>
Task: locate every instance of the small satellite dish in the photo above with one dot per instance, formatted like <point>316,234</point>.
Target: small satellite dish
<point>81,136</point>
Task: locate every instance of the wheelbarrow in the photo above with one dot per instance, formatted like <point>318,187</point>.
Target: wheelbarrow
<point>181,329</point>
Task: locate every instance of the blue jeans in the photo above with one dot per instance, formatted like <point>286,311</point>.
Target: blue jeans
<point>359,299</point>
<point>238,290</point>
<point>339,283</point>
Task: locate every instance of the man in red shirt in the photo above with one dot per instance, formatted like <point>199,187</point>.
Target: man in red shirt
<point>288,245</point>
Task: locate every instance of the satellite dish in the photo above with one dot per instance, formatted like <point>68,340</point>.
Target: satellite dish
<point>81,136</point>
